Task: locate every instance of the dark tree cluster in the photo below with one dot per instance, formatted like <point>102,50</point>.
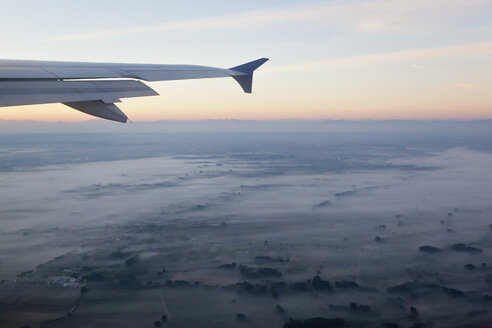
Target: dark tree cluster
<point>324,203</point>
<point>160,273</point>
<point>181,283</point>
<point>487,298</point>
<point>352,307</point>
<point>429,249</point>
<point>460,247</point>
<point>411,288</point>
<point>276,287</point>
<point>477,313</point>
<point>117,255</point>
<point>162,322</point>
<point>316,323</point>
<point>453,292</point>
<point>229,266</point>
<point>421,325</point>
<point>346,284</point>
<point>300,286</point>
<point>390,325</point>
<point>132,261</point>
<point>360,308</point>
<point>267,259</point>
<point>255,273</point>
<point>252,288</point>
<point>24,274</point>
<point>320,284</point>
<point>488,277</point>
<point>405,288</point>
<point>413,313</point>
<point>260,289</point>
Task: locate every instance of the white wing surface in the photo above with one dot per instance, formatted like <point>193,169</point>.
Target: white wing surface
<point>93,88</point>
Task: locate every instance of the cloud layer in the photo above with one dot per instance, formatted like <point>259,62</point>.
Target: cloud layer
<point>381,16</point>
<point>468,85</point>
<point>463,50</point>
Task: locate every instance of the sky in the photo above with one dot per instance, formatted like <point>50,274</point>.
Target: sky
<point>352,59</point>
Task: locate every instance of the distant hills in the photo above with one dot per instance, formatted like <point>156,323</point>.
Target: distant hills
<point>278,126</point>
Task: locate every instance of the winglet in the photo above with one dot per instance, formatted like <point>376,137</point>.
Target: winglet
<point>245,80</point>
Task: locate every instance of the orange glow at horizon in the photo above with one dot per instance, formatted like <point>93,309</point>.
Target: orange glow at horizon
<point>353,95</point>
<point>61,113</point>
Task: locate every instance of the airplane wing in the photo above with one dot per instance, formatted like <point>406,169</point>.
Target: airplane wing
<point>93,88</point>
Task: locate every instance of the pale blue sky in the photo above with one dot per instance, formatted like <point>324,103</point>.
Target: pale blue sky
<point>320,50</point>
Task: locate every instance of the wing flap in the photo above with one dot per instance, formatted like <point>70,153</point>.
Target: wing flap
<point>15,93</point>
<point>99,109</point>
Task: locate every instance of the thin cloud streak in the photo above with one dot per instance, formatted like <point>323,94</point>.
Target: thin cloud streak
<point>467,85</point>
<point>242,20</point>
<point>423,68</point>
<point>464,50</point>
<point>368,17</point>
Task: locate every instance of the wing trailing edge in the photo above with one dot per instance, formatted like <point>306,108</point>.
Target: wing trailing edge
<point>20,92</point>
<point>95,98</point>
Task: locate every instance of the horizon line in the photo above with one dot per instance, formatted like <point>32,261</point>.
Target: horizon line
<point>317,120</point>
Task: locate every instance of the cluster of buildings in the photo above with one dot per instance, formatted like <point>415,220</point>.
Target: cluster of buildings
<point>63,281</point>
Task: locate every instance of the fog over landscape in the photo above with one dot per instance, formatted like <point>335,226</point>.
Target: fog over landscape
<point>246,224</point>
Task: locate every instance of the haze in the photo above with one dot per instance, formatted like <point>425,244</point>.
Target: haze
<point>360,221</point>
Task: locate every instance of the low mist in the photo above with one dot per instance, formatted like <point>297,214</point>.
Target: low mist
<point>393,217</point>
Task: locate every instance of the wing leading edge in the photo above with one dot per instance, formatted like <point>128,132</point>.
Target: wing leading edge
<point>80,85</point>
